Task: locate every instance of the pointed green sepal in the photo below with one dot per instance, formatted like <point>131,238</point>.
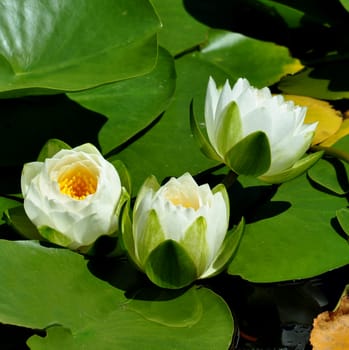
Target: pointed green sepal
<point>127,233</point>
<point>124,198</point>
<point>195,243</point>
<point>229,128</point>
<point>151,236</point>
<point>124,175</point>
<point>343,219</point>
<point>298,168</point>
<point>50,148</point>
<point>251,156</point>
<point>19,221</point>
<point>54,236</point>
<point>205,147</point>
<point>222,189</point>
<point>170,266</point>
<point>229,247</point>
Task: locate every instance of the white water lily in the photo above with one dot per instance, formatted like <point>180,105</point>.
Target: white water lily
<point>73,197</point>
<point>256,133</point>
<point>179,231</point>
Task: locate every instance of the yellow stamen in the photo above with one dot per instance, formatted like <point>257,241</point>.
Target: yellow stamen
<point>183,200</point>
<point>78,182</point>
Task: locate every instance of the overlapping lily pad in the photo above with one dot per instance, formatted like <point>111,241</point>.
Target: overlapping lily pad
<point>53,289</point>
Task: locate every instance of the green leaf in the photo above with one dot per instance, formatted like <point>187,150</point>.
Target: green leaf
<point>195,320</point>
<point>331,174</point>
<point>50,148</point>
<point>250,156</point>
<point>54,236</point>
<point>292,236</point>
<point>52,289</point>
<point>174,15</point>
<point>204,145</point>
<point>297,169</point>
<point>195,243</point>
<point>7,204</point>
<point>132,104</point>
<point>331,84</point>
<point>19,221</point>
<point>345,4</point>
<point>238,55</point>
<point>170,266</point>
<point>343,219</point>
<point>229,129</point>
<point>152,235</point>
<point>98,42</point>
<point>45,286</point>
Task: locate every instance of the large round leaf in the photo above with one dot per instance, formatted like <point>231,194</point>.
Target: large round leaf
<point>73,45</point>
<point>130,104</point>
<point>53,288</point>
<point>293,236</point>
<point>209,327</point>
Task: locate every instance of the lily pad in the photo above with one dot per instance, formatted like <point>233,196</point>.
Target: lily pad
<point>132,104</point>
<point>74,45</point>
<point>53,289</point>
<point>292,237</point>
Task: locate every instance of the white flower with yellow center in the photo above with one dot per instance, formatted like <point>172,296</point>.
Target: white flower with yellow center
<point>256,133</point>
<point>73,197</point>
<point>179,231</point>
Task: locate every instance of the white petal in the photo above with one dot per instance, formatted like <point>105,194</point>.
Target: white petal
<point>30,170</point>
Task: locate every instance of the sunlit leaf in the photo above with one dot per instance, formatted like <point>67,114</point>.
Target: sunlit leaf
<point>74,45</point>
<point>341,132</point>
<point>53,289</point>
<point>322,86</point>
<point>239,56</point>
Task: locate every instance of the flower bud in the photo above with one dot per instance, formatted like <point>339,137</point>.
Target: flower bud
<point>255,133</point>
<point>179,231</point>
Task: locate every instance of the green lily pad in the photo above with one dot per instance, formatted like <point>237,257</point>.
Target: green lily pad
<point>53,289</point>
<point>74,45</point>
<point>132,104</point>
<point>292,237</point>
<point>173,16</point>
<point>129,333</point>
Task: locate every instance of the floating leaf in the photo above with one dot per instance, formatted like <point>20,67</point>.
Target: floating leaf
<point>53,289</point>
<point>74,45</point>
<point>131,104</point>
<point>173,15</point>
<point>341,132</point>
<point>292,236</point>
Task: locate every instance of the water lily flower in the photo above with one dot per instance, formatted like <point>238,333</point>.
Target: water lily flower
<point>74,197</point>
<point>255,133</point>
<point>179,231</point>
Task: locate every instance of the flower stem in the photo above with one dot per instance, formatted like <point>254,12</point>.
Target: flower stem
<point>330,151</point>
<point>229,179</point>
